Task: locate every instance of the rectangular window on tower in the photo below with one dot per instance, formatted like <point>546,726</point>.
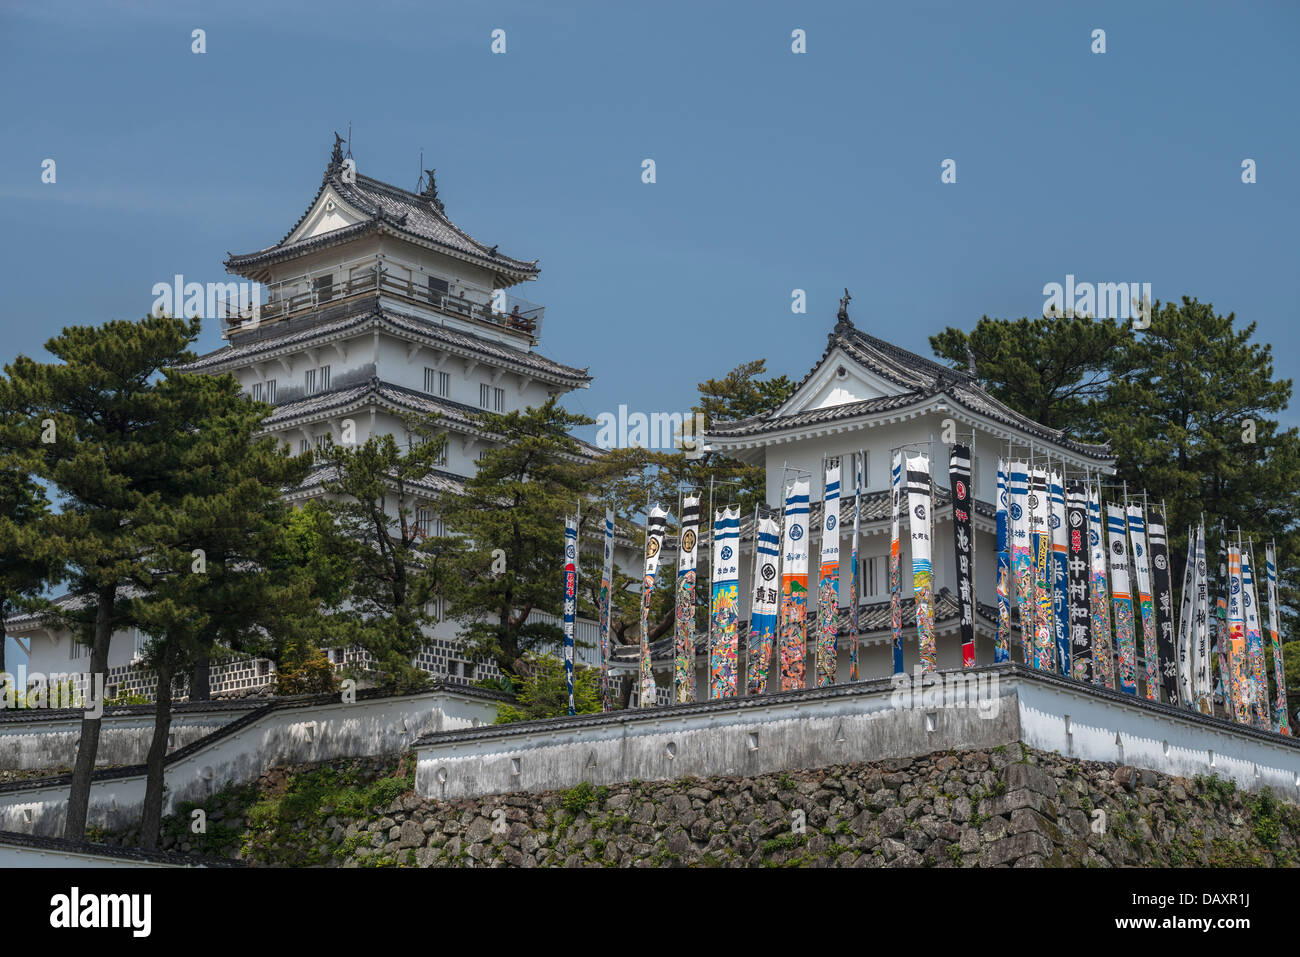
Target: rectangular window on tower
<point>485,395</point>
<point>874,571</point>
<point>324,378</point>
<point>303,446</point>
<point>440,459</point>
<point>322,287</point>
<point>438,289</point>
<point>309,382</point>
<point>444,384</point>
<point>498,400</point>
<point>270,391</point>
<point>430,380</point>
<point>256,392</point>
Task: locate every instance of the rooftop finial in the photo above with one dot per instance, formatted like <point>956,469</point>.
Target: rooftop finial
<point>843,314</point>
<point>431,190</point>
<point>336,157</point>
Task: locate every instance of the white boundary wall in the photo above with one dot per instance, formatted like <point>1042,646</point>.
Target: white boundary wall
<point>288,734</point>
<point>850,723</point>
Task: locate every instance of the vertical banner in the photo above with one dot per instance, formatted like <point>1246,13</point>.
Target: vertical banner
<point>1103,659</point>
<point>918,521</point>
<point>654,543</point>
<point>1060,577</point>
<point>1163,597</point>
<point>896,562</point>
<point>1002,639</point>
<point>1256,672</point>
<point>1078,564</point>
<point>1021,557</point>
<point>1041,537</point>
<point>684,642</point>
<point>794,587</point>
<point>855,590</point>
<point>1201,667</point>
<point>762,609</point>
<point>1186,610</point>
<point>1137,531</point>
<point>828,578</point>
<point>1125,639</point>
<point>963,548</point>
<point>606,580</point>
<point>1281,721</point>
<point>570,597</point>
<point>1220,628</point>
<point>1237,684</point>
<point>724,651</point>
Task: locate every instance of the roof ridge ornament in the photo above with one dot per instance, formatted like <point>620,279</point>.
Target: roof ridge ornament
<point>430,191</point>
<point>843,314</point>
<point>336,157</point>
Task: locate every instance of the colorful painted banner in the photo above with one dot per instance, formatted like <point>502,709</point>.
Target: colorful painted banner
<point>1201,667</point>
<point>1122,599</point>
<point>1103,658</point>
<point>1142,572</point>
<point>1040,535</point>
<point>1022,574</point>
<point>918,522</point>
<point>794,587</point>
<point>855,589</point>
<point>1002,637</point>
<point>959,479</point>
<point>1060,576</point>
<point>763,607</point>
<point>606,578</point>
<point>724,642</point>
<point>1238,685</point>
<point>1077,565</point>
<point>570,597</point>
<point>688,539</point>
<point>1281,720</point>
<point>1186,611</point>
<point>1256,671</point>
<point>895,562</point>
<point>654,542</point>
<point>828,578</point>
<point>1163,597</point>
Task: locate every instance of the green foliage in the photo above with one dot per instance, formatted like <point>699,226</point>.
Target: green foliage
<point>1056,371</point>
<point>510,514</point>
<point>578,798</point>
<point>544,692</point>
<point>395,570</point>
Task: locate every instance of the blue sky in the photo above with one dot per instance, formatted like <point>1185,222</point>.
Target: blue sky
<point>775,171</point>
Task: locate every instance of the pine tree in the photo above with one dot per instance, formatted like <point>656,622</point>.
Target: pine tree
<point>1197,427</point>
<point>26,567</point>
<point>105,426</point>
<point>216,580</point>
<point>510,517</point>
<point>1056,371</point>
<point>398,569</point>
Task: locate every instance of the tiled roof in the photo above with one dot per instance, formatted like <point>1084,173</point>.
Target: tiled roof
<point>368,314</point>
<point>457,414</point>
<point>873,616</point>
<point>920,380</point>
<point>436,482</point>
<point>404,212</point>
